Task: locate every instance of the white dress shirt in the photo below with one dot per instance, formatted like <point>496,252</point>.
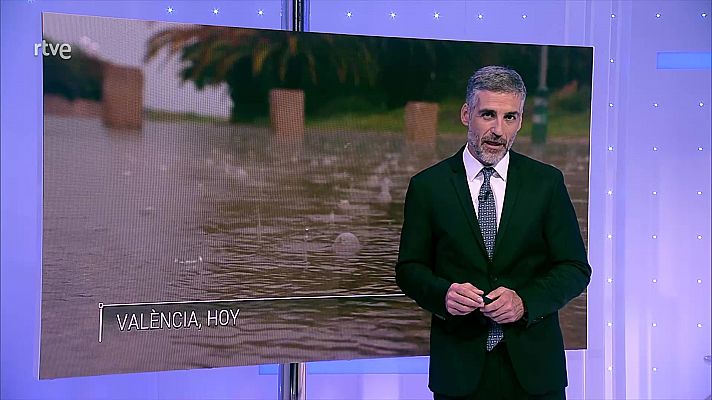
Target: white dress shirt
<point>475,178</point>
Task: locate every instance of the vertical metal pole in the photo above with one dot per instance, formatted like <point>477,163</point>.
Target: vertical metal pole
<point>298,16</point>
<point>293,376</point>
<point>295,15</point>
<point>292,381</point>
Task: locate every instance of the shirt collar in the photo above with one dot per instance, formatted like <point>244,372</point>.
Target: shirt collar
<point>473,167</point>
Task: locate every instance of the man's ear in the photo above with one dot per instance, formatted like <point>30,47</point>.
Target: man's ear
<point>465,114</point>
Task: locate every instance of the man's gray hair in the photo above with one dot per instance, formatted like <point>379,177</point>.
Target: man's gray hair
<point>495,78</point>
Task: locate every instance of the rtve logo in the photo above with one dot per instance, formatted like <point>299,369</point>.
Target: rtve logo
<point>63,50</point>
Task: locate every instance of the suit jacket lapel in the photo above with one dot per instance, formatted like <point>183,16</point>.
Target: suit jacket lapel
<point>459,182</point>
<point>514,183</point>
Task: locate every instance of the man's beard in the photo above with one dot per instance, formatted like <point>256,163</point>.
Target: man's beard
<point>488,156</point>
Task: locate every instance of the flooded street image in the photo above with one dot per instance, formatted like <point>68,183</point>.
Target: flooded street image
<point>303,233</point>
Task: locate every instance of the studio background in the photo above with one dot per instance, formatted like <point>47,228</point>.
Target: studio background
<point>649,210</point>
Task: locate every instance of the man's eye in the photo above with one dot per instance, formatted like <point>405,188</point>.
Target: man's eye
<point>487,115</point>
<point>510,117</point>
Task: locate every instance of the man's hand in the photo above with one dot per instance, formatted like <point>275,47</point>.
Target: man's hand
<point>506,307</point>
<point>463,298</point>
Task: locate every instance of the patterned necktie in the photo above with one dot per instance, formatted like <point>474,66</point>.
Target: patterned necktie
<point>487,217</point>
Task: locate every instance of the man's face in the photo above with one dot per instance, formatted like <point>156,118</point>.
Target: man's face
<point>492,124</point>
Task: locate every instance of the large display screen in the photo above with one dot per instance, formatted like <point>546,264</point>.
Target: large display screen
<point>219,196</point>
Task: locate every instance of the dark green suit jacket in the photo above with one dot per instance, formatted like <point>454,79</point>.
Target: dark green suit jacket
<point>539,253</point>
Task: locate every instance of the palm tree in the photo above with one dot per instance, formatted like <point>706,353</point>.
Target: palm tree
<point>252,62</point>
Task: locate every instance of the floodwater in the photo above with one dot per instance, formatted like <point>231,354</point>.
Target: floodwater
<point>195,211</point>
